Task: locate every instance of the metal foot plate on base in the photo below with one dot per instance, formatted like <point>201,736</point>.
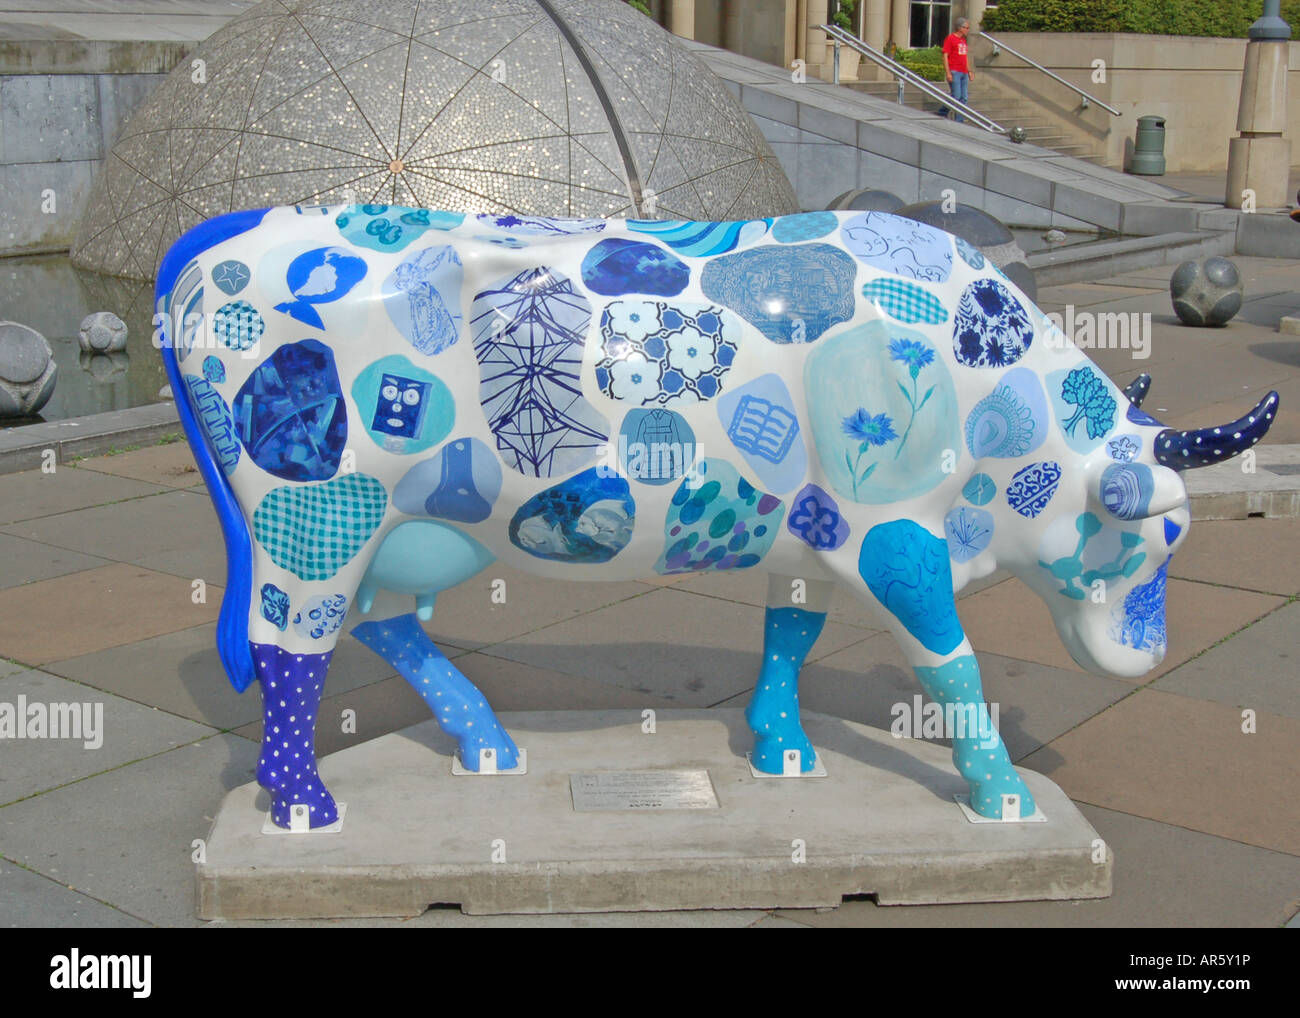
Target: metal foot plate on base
<point>882,822</point>
<point>793,767</point>
<point>269,826</point>
<point>1037,817</point>
<point>486,768</point>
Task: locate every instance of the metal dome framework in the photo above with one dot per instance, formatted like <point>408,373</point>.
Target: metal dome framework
<point>544,107</point>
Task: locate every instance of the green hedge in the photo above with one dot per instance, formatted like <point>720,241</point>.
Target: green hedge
<point>1224,18</point>
<point>928,63</point>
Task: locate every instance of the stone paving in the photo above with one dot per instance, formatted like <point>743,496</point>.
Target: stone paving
<point>98,603</point>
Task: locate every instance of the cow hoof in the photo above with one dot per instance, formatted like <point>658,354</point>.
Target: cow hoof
<point>320,804</point>
<point>986,796</point>
<point>495,738</point>
<point>770,749</point>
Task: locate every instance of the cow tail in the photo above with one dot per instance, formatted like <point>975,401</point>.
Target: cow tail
<point>232,625</point>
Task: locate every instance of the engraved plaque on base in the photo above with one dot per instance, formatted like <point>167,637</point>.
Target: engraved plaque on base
<point>604,791</point>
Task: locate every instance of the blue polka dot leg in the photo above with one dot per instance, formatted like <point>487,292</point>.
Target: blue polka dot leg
<point>977,749</point>
<point>291,694</point>
<point>773,713</point>
<point>460,708</point>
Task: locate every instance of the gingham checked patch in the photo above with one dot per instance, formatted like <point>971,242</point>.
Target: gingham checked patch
<point>313,530</point>
<point>905,301</point>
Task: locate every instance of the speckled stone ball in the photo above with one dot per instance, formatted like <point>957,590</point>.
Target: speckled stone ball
<point>27,370</point>
<point>102,332</point>
<point>1206,291</point>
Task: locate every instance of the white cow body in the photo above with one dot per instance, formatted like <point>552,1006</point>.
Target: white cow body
<point>906,418</point>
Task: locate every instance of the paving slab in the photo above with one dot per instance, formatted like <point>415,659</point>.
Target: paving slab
<point>27,561</point>
<point>1254,554</point>
<point>32,493</point>
<point>170,465</point>
<point>1256,668</point>
<point>127,530</point>
<point>511,686</point>
<point>180,673</point>
<point>126,837</point>
<point>31,901</point>
<point>121,731</point>
<point>1165,876</point>
<point>205,560</point>
<point>470,616</point>
<point>1187,762</point>
<point>112,606</point>
<point>685,647</point>
<point>883,822</point>
<point>752,590</point>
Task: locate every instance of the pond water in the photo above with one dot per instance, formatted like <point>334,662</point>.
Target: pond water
<point>47,293</point>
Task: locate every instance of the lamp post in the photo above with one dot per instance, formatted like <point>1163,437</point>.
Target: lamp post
<point>1259,161</point>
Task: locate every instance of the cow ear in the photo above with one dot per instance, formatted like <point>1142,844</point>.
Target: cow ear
<point>1167,491</point>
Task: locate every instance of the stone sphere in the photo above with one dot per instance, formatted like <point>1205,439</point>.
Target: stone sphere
<point>866,199</point>
<point>980,230</point>
<point>102,332</point>
<point>27,370</point>
<point>1206,291</point>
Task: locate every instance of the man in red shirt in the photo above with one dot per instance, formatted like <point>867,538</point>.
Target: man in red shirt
<point>956,69</point>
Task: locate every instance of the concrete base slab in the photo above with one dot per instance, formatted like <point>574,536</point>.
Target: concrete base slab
<point>884,822</point>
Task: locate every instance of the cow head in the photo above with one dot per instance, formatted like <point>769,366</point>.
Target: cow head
<point>1099,557</point>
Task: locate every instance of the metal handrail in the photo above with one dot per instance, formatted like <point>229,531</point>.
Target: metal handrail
<point>1087,99</point>
<point>840,37</point>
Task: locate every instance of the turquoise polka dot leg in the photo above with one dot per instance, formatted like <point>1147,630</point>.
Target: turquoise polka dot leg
<point>977,749</point>
<point>460,708</point>
<point>773,713</point>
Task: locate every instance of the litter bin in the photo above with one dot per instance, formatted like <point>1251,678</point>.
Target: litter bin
<point>1149,148</point>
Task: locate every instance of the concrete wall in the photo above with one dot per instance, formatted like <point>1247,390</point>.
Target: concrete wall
<point>1193,83</point>
<point>62,105</point>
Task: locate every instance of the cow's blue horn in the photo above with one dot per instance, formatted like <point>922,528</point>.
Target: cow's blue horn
<point>1137,390</point>
<point>1183,450</point>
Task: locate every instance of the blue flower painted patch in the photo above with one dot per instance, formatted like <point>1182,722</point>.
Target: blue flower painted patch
<point>991,328</point>
<point>815,519</point>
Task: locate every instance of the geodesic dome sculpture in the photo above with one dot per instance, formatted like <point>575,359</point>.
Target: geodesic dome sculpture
<point>551,107</point>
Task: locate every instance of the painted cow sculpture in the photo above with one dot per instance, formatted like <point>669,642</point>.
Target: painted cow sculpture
<point>385,398</point>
